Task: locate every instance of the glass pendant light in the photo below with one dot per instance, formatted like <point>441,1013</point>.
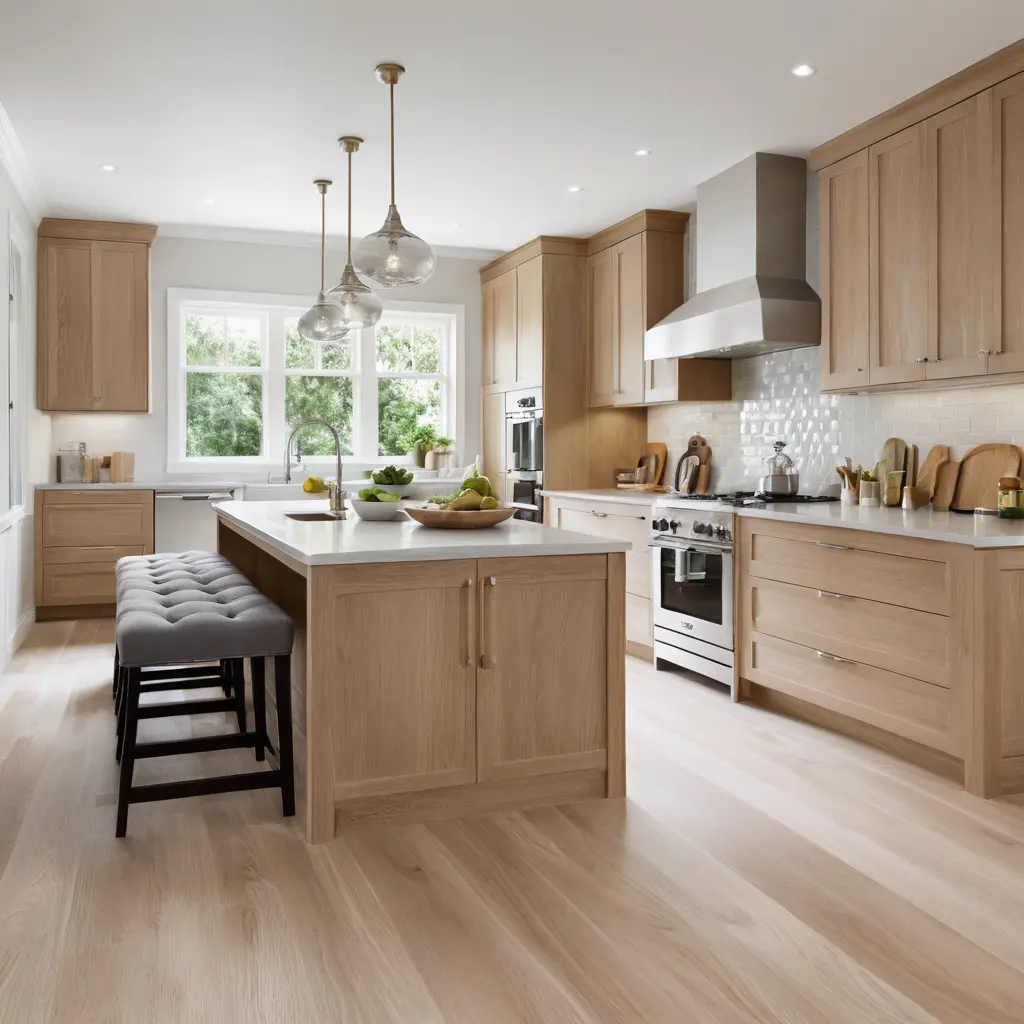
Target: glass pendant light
<point>359,306</point>
<point>324,321</point>
<point>394,257</point>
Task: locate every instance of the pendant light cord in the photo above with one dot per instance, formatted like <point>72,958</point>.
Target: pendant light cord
<point>391,89</point>
<point>350,207</point>
<point>323,233</point>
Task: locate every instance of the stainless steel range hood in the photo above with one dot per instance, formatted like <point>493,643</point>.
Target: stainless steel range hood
<point>752,294</point>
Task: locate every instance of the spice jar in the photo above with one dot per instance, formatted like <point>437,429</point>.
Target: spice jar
<point>1010,504</point>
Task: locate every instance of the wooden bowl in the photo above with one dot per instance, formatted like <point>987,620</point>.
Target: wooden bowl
<point>443,520</point>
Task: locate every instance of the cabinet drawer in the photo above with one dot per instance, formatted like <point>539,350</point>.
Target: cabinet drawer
<point>629,523</point>
<point>903,640</point>
<point>79,556</point>
<point>79,583</point>
<point>896,571</point>
<point>639,628</point>
<point>92,524</point>
<point>908,707</point>
<point>91,495</point>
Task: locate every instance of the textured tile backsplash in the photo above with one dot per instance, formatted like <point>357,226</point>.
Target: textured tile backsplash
<point>778,396</point>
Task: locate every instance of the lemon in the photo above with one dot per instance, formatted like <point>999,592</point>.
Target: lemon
<point>313,484</point>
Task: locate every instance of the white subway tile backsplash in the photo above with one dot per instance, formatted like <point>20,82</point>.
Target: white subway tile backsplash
<point>778,395</point>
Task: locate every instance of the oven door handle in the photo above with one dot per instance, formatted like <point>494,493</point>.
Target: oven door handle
<point>682,573</point>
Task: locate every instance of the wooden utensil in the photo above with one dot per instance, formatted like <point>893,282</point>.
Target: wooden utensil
<point>945,485</point>
<point>980,470</point>
<point>686,474</point>
<point>660,453</point>
<point>928,474</point>
<point>703,476</point>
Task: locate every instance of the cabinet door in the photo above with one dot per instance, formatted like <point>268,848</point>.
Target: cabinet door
<point>506,317</point>
<point>960,239</point>
<point>631,320</point>
<point>121,348</point>
<point>396,651</point>
<point>542,681</point>
<point>664,269</point>
<point>494,440</point>
<point>530,324</point>
<point>1008,192</point>
<point>845,300</point>
<point>487,334</point>
<point>66,296</point>
<point>604,359</point>
<point>898,201</point>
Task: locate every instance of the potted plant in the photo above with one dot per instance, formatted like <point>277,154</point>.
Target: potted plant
<point>421,441</point>
<point>438,456</point>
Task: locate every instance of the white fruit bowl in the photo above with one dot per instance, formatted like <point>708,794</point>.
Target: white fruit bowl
<point>375,511</point>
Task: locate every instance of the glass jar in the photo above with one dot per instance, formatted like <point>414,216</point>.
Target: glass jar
<point>1010,504</point>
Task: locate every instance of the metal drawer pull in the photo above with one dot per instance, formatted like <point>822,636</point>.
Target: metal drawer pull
<point>833,547</point>
<point>829,593</point>
<point>600,515</point>
<point>834,657</point>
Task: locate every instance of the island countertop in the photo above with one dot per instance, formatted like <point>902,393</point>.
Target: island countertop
<point>354,542</point>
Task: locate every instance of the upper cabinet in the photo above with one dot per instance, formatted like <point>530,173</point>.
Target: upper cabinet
<point>93,316</point>
<point>844,274</point>
<point>922,247</point>
<point>635,282</point>
<point>1007,335</point>
<point>513,328</point>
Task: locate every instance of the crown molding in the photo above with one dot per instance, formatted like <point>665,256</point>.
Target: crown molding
<point>14,161</point>
<point>301,240</point>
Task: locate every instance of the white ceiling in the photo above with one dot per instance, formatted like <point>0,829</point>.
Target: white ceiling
<point>502,108</point>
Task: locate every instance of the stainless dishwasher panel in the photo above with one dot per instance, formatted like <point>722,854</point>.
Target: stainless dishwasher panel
<point>187,520</point>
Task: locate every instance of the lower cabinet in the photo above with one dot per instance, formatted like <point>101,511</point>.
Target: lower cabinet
<point>542,680</point>
<point>79,536</point>
<point>616,520</point>
<point>442,674</point>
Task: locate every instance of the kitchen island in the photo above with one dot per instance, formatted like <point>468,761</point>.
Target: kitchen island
<point>442,672</point>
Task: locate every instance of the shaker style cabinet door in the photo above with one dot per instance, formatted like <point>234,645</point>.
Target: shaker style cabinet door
<point>845,303</point>
<point>1007,348</point>
<point>530,324</point>
<point>604,341</point>
<point>121,346</point>
<point>899,216</point>
<point>960,256</point>
<point>631,320</point>
<point>499,318</point>
<point>65,330</point>
<point>494,441</point>
<point>542,678</point>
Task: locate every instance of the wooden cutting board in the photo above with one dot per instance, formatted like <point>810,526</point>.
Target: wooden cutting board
<point>945,485</point>
<point>929,472</point>
<point>660,452</point>
<point>911,478</point>
<point>893,458</point>
<point>980,470</point>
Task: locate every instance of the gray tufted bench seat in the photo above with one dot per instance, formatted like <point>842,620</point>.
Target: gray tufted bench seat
<point>189,621</point>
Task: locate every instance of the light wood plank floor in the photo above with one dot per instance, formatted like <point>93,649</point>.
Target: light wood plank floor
<point>761,870</point>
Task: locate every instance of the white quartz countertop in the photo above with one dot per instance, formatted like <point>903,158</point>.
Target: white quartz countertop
<point>975,531</point>
<point>607,494</point>
<point>352,541</point>
<point>164,486</point>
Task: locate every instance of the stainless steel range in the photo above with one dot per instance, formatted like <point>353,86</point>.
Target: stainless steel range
<point>693,585</point>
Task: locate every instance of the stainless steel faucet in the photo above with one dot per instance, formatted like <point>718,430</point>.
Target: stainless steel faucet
<point>334,491</point>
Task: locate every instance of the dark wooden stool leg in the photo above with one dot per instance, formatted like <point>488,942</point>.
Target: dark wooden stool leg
<point>131,707</point>
<point>120,706</point>
<point>283,691</point>
<point>225,675</point>
<point>117,669</point>
<point>235,668</point>
<point>257,668</point>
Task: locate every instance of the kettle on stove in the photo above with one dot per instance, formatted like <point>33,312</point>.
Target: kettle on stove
<point>781,478</point>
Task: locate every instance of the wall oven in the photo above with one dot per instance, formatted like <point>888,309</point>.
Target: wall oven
<point>693,593</point>
<point>524,453</point>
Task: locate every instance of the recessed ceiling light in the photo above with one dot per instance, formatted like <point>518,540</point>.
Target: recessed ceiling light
<point>108,167</point>
<point>209,202</point>
<point>643,152</point>
<point>575,188</point>
<point>804,70</point>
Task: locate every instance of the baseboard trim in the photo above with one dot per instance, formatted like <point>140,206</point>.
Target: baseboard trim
<point>21,630</point>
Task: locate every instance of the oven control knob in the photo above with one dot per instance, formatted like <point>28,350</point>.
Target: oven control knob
<point>674,525</point>
<point>700,528</point>
<point>660,524</point>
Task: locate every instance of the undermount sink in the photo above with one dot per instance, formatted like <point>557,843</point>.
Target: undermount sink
<point>313,517</point>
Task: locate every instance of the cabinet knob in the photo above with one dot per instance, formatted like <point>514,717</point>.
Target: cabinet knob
<point>984,351</point>
<point>923,359</point>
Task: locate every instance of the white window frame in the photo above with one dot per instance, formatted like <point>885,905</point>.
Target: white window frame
<point>277,309</point>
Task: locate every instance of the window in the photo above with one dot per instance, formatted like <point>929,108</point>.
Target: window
<point>240,379</point>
